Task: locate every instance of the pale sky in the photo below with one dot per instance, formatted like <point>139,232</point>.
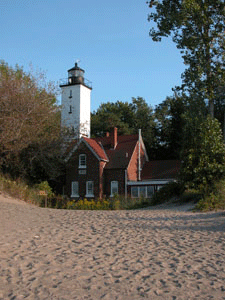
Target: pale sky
<point>110,38</point>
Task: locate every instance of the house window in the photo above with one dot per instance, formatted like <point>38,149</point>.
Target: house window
<point>142,191</point>
<point>70,111</point>
<point>89,189</point>
<point>75,189</point>
<point>82,161</point>
<point>150,191</point>
<point>134,192</point>
<point>114,188</point>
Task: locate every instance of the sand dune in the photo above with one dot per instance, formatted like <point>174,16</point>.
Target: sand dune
<point>160,253</point>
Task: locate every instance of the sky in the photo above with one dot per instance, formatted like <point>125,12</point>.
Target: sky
<point>109,38</point>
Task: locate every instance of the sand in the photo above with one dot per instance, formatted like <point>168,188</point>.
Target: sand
<point>162,253</point>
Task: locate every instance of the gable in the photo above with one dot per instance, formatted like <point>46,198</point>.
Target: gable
<point>96,149</point>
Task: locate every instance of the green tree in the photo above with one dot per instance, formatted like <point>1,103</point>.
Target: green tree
<point>110,115</point>
<point>170,125</point>
<point>197,27</point>
<point>29,125</point>
<point>204,158</point>
<point>127,117</point>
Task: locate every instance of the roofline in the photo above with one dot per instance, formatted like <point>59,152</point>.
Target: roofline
<point>145,153</point>
<point>72,150</point>
<point>89,147</point>
<point>100,144</point>
<point>92,150</point>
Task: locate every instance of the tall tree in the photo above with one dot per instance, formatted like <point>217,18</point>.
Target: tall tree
<point>197,27</point>
<point>29,124</point>
<point>170,124</point>
<point>204,156</point>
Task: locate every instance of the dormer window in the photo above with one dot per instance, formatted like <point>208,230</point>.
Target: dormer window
<point>82,161</point>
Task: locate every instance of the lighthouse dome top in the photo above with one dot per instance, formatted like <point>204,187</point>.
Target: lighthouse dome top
<point>76,71</point>
<point>76,76</point>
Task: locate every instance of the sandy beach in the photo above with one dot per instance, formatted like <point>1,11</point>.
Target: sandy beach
<point>162,253</point>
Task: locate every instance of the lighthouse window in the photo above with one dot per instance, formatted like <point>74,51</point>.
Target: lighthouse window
<point>70,94</point>
<point>70,112</point>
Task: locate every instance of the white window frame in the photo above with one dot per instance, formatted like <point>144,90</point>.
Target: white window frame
<point>89,191</point>
<point>145,194</point>
<point>74,189</point>
<point>82,161</point>
<point>114,185</point>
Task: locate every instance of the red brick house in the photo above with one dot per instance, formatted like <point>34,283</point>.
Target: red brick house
<point>110,165</point>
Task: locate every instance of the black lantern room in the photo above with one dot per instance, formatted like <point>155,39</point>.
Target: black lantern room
<point>76,75</point>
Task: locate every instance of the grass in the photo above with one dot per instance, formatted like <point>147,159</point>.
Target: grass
<point>18,189</point>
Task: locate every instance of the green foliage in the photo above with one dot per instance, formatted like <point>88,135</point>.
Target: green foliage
<point>30,126</point>
<point>89,204</point>
<point>127,117</point>
<point>215,200</point>
<point>197,27</point>
<point>170,125</point>
<point>115,203</point>
<point>44,186</point>
<point>18,189</point>
<point>190,195</point>
<point>204,157</point>
<point>168,191</point>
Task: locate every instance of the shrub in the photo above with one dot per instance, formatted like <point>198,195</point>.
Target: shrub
<point>115,203</point>
<point>172,189</point>
<point>204,158</point>
<point>215,200</point>
<point>191,195</point>
<point>89,204</point>
<point>44,186</point>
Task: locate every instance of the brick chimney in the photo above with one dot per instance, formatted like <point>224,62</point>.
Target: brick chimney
<point>114,138</point>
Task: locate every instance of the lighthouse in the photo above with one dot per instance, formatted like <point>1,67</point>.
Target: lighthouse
<point>76,102</point>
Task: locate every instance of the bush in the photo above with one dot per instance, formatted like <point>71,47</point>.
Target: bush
<point>89,204</point>
<point>168,191</point>
<point>191,195</point>
<point>204,158</point>
<point>215,200</point>
<point>115,203</point>
<point>44,186</point>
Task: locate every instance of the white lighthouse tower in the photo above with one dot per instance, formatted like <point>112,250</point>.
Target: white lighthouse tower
<point>76,102</point>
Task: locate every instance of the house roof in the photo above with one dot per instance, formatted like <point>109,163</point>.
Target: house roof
<point>121,155</point>
<point>96,148</point>
<point>102,147</point>
<point>160,169</point>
